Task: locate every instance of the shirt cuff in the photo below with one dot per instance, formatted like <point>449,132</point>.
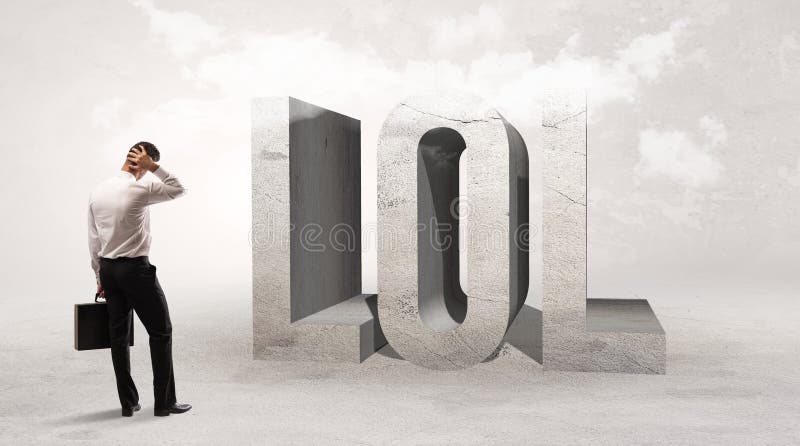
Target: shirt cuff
<point>161,173</point>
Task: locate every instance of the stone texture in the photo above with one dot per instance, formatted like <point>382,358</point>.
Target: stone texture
<point>428,315</point>
<point>733,380</point>
<point>307,300</point>
<point>583,334</point>
<point>525,333</point>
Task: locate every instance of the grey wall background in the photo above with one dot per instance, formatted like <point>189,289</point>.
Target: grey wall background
<point>693,106</point>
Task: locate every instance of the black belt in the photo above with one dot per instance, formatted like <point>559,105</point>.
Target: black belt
<point>126,259</point>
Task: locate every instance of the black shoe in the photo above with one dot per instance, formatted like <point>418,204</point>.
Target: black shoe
<point>175,408</point>
<point>128,411</point>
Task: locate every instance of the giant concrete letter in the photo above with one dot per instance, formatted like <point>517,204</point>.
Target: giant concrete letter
<point>307,301</point>
<point>580,334</point>
<point>430,315</point>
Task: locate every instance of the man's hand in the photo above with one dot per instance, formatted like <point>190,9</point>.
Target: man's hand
<point>101,291</point>
<point>140,160</point>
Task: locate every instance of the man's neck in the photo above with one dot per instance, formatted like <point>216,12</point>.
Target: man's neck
<point>126,169</point>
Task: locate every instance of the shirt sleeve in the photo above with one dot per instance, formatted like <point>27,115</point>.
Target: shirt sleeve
<point>94,245</point>
<point>168,189</point>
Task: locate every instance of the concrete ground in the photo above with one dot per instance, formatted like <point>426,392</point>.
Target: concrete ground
<point>733,377</point>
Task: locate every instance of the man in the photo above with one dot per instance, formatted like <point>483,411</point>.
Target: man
<point>119,241</point>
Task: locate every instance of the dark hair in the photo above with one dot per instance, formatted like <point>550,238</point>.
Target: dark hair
<point>148,147</point>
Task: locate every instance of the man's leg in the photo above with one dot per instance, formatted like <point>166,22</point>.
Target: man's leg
<point>151,307</point>
<point>119,321</point>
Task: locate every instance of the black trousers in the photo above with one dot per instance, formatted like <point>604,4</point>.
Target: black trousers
<point>130,283</point>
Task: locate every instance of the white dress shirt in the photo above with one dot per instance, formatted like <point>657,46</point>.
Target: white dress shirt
<point>119,217</point>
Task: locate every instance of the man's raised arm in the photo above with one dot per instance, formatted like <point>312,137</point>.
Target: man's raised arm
<point>168,189</point>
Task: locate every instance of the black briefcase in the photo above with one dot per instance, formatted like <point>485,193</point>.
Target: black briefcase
<point>91,326</point>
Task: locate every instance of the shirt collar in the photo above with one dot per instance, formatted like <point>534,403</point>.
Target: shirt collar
<point>125,174</point>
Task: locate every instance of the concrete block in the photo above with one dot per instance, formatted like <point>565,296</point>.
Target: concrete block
<point>307,300</point>
<point>432,149</point>
<point>581,334</point>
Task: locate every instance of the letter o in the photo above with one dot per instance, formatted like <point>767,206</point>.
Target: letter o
<point>427,314</point>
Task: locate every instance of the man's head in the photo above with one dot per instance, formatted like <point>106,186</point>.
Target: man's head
<point>147,147</point>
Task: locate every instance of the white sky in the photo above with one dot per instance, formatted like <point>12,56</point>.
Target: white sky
<point>693,144</point>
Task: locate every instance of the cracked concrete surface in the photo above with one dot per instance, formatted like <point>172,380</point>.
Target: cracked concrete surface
<point>302,153</point>
<point>732,379</point>
<point>554,123</point>
<point>431,313</point>
<point>463,121</point>
<point>568,311</point>
<point>565,196</point>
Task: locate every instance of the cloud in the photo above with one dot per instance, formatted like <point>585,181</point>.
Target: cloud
<point>312,66</point>
<point>788,54</point>
<point>452,33</point>
<point>106,115</point>
<point>282,64</point>
<point>675,155</point>
<point>516,80</point>
<point>639,208</point>
<point>184,33</point>
<point>790,175</point>
<point>648,54</point>
<point>714,129</point>
<point>356,79</point>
